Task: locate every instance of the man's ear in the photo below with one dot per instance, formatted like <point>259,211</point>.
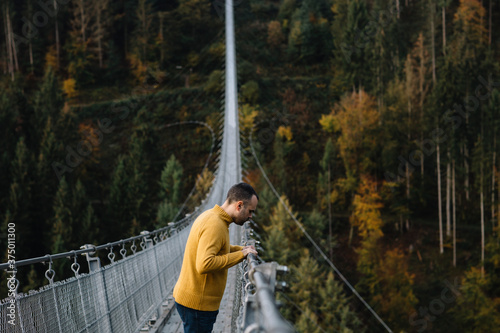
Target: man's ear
<point>239,205</point>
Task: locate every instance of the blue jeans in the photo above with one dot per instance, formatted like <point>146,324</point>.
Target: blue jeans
<point>196,321</point>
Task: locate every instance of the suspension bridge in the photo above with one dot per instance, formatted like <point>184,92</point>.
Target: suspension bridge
<point>133,291</point>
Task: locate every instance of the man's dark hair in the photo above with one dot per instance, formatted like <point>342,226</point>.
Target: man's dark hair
<point>241,191</point>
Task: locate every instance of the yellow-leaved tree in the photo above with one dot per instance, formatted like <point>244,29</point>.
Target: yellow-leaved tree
<point>385,277</point>
<point>356,119</point>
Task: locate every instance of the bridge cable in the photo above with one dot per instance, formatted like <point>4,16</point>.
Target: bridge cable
<point>311,240</point>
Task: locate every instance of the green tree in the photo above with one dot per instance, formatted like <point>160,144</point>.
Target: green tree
<point>282,146</point>
<point>84,220</point>
<point>170,191</point>
<point>62,225</point>
<point>48,100</point>
<point>337,315</point>
<point>325,188</point>
<point>355,45</point>
<point>20,204</point>
<point>475,310</point>
<point>118,212</point>
<point>308,322</point>
<point>61,234</point>
<point>282,241</point>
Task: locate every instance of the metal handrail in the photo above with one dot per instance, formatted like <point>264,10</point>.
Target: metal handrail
<point>272,320</point>
<point>91,248</point>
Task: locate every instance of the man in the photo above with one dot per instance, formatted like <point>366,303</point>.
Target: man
<point>208,256</point>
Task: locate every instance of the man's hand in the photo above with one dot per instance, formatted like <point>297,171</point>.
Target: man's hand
<point>249,249</point>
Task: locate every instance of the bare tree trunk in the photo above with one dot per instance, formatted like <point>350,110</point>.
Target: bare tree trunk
<point>481,194</point>
<point>161,16</point>
<point>99,34</point>
<point>408,167</point>
<point>440,204</point>
<point>490,23</point>
<point>454,216</point>
<point>31,56</point>
<point>448,196</point>
<point>433,38</point>
<point>444,30</point>
<point>422,97</point>
<point>422,155</point>
<point>12,43</point>
<point>493,181</point>
<point>466,166</point>
<point>82,17</point>
<point>482,219</point>
<point>8,42</point>
<point>330,231</point>
<point>58,44</point>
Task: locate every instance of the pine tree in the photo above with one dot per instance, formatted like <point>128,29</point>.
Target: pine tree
<point>282,146</point>
<point>62,225</point>
<point>475,310</point>
<point>170,191</point>
<point>137,166</point>
<point>308,322</point>
<point>48,101</point>
<point>84,220</point>
<point>20,204</point>
<point>118,212</point>
<point>306,286</point>
<point>355,46</point>
<point>283,237</point>
<point>328,167</point>
<point>337,315</point>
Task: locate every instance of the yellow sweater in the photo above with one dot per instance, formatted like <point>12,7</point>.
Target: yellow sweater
<point>207,258</point>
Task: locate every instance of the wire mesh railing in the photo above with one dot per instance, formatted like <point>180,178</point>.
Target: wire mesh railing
<point>119,297</point>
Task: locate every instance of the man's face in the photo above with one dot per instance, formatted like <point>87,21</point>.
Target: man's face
<point>244,213</point>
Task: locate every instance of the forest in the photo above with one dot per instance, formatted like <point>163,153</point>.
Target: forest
<point>372,125</point>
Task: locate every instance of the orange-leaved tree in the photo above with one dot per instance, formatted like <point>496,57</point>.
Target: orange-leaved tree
<point>356,119</point>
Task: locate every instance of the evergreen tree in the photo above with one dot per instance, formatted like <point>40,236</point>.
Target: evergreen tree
<point>337,315</point>
<point>354,48</point>
<point>136,167</point>
<point>20,204</point>
<point>308,322</point>
<point>48,100</point>
<point>118,212</point>
<point>325,188</point>
<point>475,310</point>
<point>307,280</point>
<point>282,240</point>
<point>62,225</point>
<point>84,220</point>
<point>282,146</point>
<point>170,191</point>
